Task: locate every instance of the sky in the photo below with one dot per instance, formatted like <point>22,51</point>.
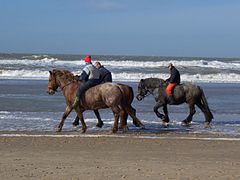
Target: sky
<point>199,28</point>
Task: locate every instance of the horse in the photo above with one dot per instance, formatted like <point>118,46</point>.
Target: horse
<point>128,96</point>
<point>183,93</point>
<point>107,95</point>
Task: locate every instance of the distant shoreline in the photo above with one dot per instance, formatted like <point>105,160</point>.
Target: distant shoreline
<point>116,55</point>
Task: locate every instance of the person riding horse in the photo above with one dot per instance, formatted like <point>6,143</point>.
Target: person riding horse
<point>173,80</point>
<point>90,77</point>
<point>106,75</point>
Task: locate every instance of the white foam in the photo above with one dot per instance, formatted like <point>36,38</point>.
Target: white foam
<point>128,77</point>
<point>127,63</point>
<point>193,63</point>
<point>49,63</point>
<point>122,136</point>
<point>43,62</point>
<point>24,74</point>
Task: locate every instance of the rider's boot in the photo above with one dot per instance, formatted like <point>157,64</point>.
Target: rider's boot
<point>75,102</point>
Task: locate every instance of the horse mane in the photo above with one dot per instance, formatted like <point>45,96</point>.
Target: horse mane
<point>64,74</point>
<point>154,82</point>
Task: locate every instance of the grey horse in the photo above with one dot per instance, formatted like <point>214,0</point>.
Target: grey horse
<point>183,93</point>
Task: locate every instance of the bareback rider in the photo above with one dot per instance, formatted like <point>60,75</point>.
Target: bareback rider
<point>173,80</point>
<point>90,77</point>
<point>106,75</point>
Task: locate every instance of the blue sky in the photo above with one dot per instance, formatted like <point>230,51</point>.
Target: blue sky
<point>121,27</point>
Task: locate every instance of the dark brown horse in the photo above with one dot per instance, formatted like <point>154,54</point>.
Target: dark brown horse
<point>107,95</point>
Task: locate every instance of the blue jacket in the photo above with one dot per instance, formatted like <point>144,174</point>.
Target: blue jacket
<point>105,75</point>
<point>175,76</point>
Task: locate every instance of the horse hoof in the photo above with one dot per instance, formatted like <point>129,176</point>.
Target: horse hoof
<point>165,124</point>
<point>75,128</point>
<point>138,124</point>
<point>99,125</point>
<point>207,125</point>
<point>185,123</point>
<point>75,124</point>
<point>83,131</point>
<point>125,129</point>
<point>58,130</point>
<point>114,130</point>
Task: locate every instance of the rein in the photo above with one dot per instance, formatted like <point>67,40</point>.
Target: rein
<point>147,94</point>
<point>66,85</point>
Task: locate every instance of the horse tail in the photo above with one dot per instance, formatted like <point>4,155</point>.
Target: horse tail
<point>205,105</point>
<point>127,104</point>
<point>131,94</point>
<point>128,96</point>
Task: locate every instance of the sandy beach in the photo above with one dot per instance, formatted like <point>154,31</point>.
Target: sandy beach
<point>165,156</point>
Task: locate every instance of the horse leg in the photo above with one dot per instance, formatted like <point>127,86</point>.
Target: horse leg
<point>188,120</point>
<point>165,119</point>
<point>132,112</point>
<point>123,120</point>
<point>80,115</point>
<point>208,119</point>
<point>155,109</point>
<point>116,111</point>
<point>64,116</point>
<point>76,121</point>
<point>100,122</point>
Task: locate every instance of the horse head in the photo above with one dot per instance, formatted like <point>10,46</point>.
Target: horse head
<point>142,90</point>
<point>52,83</point>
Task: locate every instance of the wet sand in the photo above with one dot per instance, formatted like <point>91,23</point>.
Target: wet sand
<point>111,157</point>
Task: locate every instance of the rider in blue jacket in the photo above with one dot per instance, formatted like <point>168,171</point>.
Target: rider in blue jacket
<point>106,75</point>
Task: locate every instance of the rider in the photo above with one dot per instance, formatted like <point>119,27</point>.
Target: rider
<point>106,75</point>
<point>173,80</point>
<point>90,77</point>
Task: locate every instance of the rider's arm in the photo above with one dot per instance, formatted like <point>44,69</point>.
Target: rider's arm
<point>84,75</point>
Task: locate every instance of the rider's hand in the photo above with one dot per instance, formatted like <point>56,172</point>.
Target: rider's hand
<point>76,77</point>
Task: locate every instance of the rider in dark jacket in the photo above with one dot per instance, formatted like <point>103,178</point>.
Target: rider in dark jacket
<point>90,77</point>
<point>173,80</point>
<point>106,75</point>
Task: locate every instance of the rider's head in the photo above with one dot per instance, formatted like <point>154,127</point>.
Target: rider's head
<point>170,65</point>
<point>97,64</point>
<point>87,59</point>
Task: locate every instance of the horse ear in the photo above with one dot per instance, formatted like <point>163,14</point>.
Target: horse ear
<point>50,72</point>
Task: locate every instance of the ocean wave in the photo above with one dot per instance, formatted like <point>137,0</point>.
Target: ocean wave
<point>54,62</point>
<point>124,76</point>
<point>39,57</point>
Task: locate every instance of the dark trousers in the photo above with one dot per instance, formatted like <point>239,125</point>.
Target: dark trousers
<point>86,85</point>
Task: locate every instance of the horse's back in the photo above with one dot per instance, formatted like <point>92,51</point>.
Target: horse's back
<point>127,92</point>
<point>104,95</point>
<point>187,90</point>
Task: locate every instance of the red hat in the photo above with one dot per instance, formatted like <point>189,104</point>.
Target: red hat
<point>87,59</point>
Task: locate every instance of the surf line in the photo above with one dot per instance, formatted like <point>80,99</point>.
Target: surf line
<point>122,136</point>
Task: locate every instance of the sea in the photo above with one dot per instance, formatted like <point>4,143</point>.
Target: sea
<point>26,106</point>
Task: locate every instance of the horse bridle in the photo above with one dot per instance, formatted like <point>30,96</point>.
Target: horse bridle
<point>55,88</point>
<point>66,85</point>
<point>146,90</point>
